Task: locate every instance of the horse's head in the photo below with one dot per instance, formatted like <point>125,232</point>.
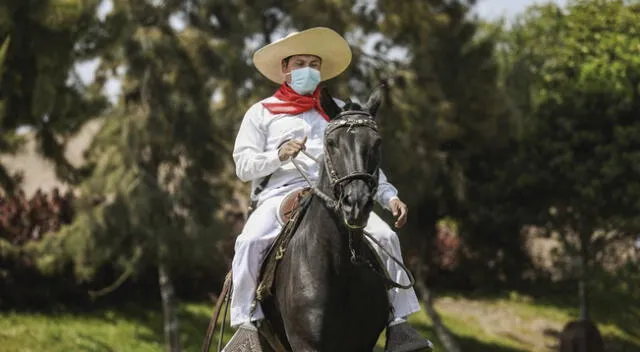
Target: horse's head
<point>352,151</point>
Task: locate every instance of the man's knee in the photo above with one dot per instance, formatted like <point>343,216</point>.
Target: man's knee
<point>250,241</point>
<point>384,234</point>
<point>242,242</point>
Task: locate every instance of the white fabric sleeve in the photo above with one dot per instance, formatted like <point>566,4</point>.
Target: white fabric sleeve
<point>386,191</point>
<point>252,161</point>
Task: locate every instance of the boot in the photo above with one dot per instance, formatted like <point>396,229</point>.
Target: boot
<point>404,338</point>
<point>246,339</point>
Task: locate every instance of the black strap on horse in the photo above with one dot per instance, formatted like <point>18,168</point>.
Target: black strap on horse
<point>385,275</point>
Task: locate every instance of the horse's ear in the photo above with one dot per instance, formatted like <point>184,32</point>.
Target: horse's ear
<point>374,102</point>
<point>328,104</point>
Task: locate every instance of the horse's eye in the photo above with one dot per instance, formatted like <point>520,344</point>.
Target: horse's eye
<point>331,143</point>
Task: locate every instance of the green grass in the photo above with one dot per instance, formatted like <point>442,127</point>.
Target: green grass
<point>129,328</point>
<point>503,324</point>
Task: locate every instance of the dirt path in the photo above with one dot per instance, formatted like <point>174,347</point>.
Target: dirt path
<point>501,320</point>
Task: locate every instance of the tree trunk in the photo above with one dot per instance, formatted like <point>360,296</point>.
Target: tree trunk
<point>583,291</point>
<point>171,327</point>
<point>444,335</point>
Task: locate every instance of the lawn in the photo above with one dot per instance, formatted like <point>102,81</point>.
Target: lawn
<point>503,324</point>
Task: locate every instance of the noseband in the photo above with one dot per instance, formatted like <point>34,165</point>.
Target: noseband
<point>349,120</point>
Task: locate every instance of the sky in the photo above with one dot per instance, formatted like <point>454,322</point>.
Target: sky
<point>494,9</point>
<point>486,9</point>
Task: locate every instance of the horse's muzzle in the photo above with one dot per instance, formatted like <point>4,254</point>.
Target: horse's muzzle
<point>356,204</point>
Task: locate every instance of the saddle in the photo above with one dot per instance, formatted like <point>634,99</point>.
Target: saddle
<point>291,203</point>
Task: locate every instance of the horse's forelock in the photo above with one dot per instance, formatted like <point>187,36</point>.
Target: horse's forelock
<point>352,107</point>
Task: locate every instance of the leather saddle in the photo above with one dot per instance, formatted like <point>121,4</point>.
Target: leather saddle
<point>290,204</point>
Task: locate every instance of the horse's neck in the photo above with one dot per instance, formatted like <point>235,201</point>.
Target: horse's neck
<point>324,184</point>
<point>331,229</point>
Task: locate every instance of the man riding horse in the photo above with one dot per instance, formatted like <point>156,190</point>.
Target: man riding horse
<point>272,133</point>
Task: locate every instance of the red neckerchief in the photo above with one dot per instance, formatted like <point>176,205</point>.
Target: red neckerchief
<point>293,103</point>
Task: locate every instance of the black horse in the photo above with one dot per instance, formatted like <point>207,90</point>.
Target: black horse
<point>322,299</point>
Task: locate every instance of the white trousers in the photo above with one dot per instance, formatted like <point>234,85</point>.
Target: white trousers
<point>259,233</point>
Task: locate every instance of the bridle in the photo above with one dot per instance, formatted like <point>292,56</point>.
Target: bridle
<point>349,120</point>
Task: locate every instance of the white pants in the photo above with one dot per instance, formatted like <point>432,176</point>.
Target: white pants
<point>259,233</point>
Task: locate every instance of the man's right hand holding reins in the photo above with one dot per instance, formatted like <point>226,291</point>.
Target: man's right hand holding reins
<point>291,149</point>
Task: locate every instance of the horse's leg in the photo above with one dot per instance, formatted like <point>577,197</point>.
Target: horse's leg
<point>308,330</point>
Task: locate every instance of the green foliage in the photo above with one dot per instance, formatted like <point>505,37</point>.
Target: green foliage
<point>448,124</point>
<point>155,159</point>
<point>583,81</point>
<point>576,76</point>
<point>445,98</point>
<point>38,56</point>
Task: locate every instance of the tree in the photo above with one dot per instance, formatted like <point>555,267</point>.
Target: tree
<point>41,42</point>
<point>578,76</point>
<point>151,198</point>
<point>443,110</point>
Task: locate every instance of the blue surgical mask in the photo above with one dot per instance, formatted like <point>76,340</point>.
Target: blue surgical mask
<point>305,80</point>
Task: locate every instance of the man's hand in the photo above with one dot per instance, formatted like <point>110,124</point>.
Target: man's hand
<point>291,149</point>
<point>399,210</point>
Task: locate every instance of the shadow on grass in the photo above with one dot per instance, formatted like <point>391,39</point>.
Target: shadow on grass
<point>466,343</point>
<point>608,307</point>
<point>91,344</point>
<point>614,309</point>
<point>194,319</point>
<point>613,301</point>
<point>611,344</point>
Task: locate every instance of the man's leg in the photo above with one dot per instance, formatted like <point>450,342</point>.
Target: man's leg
<point>404,301</point>
<point>400,335</point>
<point>257,235</point>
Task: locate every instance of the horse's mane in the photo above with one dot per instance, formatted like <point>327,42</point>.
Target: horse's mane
<point>350,106</point>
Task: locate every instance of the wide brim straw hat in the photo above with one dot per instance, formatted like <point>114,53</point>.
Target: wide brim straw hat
<point>323,42</point>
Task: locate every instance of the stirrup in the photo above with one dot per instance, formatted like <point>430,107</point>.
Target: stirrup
<point>404,338</point>
<point>246,339</point>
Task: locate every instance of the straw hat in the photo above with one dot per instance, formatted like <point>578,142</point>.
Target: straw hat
<point>330,46</point>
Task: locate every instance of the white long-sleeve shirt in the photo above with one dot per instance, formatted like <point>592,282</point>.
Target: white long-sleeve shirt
<point>256,151</point>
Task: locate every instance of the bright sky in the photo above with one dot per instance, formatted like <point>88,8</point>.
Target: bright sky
<point>493,9</point>
<point>487,9</point>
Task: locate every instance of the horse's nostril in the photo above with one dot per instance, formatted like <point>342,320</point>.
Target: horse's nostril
<point>349,200</point>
